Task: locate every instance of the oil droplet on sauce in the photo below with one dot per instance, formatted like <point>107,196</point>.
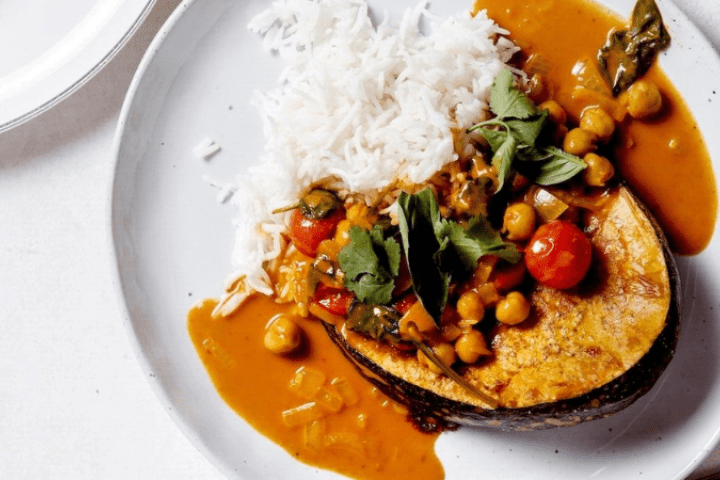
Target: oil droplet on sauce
<point>367,437</point>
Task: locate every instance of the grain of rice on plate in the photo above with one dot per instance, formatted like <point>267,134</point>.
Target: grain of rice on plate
<point>358,105</point>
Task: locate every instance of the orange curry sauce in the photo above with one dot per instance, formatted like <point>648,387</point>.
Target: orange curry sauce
<point>369,438</point>
<point>665,160</point>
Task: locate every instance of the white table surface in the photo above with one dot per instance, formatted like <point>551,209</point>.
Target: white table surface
<point>73,400</point>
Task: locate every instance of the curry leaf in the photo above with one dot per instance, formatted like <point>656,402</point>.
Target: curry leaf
<point>628,54</point>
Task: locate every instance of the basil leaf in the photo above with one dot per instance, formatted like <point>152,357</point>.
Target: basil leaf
<point>528,130</point>
<point>559,167</point>
<point>507,101</point>
<point>628,54</point>
<point>495,138</point>
<point>502,159</point>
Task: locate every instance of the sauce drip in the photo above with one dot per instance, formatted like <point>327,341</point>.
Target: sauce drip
<point>665,160</point>
<point>255,383</point>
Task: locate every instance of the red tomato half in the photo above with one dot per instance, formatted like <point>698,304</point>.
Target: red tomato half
<point>307,233</point>
<point>335,300</point>
<point>558,255</point>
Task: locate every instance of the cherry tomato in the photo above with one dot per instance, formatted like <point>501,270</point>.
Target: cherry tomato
<point>558,255</point>
<point>307,233</point>
<point>335,300</point>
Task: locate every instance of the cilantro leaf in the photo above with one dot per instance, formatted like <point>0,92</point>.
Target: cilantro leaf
<point>522,125</point>
<point>370,263</point>
<point>477,240</point>
<point>506,100</point>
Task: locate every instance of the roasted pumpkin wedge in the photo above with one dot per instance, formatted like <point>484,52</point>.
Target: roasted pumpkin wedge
<point>585,353</point>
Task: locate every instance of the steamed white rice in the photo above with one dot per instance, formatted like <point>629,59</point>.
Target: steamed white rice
<point>366,105</point>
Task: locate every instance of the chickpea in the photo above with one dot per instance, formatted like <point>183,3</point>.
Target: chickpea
<point>512,309</point>
<point>643,99</point>
<point>536,88</point>
<point>555,111</point>
<point>599,170</point>
<point>470,306</point>
<point>471,346</point>
<point>519,221</point>
<point>282,334</point>
<point>444,351</point>
<point>579,142</point>
<point>488,294</point>
<point>597,121</point>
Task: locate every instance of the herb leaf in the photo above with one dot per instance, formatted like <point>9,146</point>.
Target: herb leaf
<point>522,126</point>
<point>560,166</point>
<point>628,54</point>
<point>375,321</point>
<point>418,215</point>
<point>503,157</point>
<point>506,101</point>
<point>477,240</point>
<point>437,249</point>
<point>528,130</point>
<point>370,263</point>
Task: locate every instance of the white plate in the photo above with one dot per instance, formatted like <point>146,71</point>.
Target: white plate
<point>173,243</point>
<point>49,49</point>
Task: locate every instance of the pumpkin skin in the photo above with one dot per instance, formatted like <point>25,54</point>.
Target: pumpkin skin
<point>585,354</point>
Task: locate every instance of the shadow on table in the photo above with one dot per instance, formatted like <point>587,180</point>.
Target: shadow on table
<point>91,107</point>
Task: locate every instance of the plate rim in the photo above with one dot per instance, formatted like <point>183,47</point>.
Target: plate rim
<point>86,75</point>
<point>117,280</point>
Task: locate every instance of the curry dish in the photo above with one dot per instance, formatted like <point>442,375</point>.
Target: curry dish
<point>527,285</point>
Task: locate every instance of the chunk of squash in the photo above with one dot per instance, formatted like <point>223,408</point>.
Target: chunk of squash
<point>583,354</point>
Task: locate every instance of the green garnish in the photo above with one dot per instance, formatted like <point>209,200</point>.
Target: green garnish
<point>437,249</point>
<point>521,125</point>
<point>370,263</point>
<point>628,54</point>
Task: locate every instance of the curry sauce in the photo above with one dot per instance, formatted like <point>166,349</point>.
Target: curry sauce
<point>360,433</point>
<point>664,160</point>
